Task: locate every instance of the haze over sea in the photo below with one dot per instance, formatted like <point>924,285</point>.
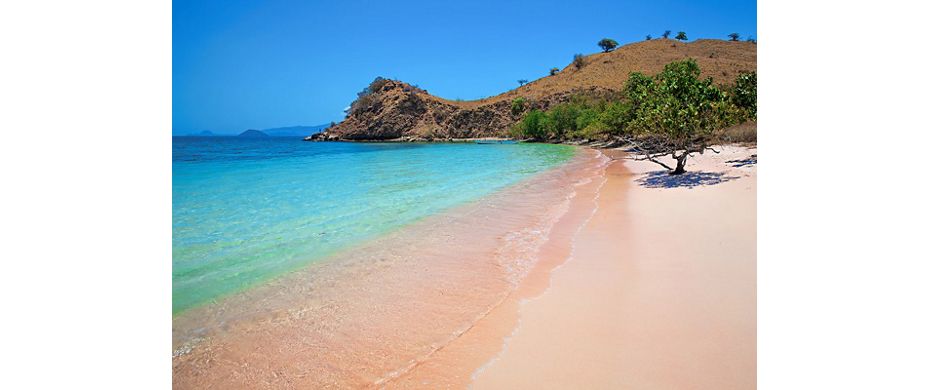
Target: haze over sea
<point>245,210</point>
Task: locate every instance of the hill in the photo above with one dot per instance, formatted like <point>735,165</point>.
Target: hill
<point>394,110</point>
<point>252,134</point>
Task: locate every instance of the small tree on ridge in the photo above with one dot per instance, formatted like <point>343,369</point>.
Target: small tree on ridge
<point>681,36</point>
<point>666,34</point>
<point>734,37</point>
<point>607,44</point>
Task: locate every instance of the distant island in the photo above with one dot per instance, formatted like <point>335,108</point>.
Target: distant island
<point>252,133</point>
<point>295,131</point>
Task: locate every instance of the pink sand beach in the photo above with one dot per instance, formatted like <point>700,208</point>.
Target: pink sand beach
<point>599,274</point>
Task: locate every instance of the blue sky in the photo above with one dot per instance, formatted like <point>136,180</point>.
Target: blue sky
<point>262,64</point>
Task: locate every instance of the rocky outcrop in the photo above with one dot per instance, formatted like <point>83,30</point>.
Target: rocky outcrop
<point>397,111</point>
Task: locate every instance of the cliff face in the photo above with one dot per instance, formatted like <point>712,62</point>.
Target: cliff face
<point>394,110</point>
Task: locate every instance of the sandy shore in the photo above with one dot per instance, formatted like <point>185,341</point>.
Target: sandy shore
<point>659,292</point>
<point>601,274</point>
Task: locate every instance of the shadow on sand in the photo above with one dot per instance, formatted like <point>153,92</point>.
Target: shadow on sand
<point>661,179</point>
<point>752,160</point>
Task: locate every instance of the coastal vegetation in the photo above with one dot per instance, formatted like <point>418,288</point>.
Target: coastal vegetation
<point>674,113</point>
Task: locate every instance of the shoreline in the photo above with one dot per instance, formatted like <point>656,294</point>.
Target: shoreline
<point>382,307</point>
<point>488,309</point>
<point>660,292</point>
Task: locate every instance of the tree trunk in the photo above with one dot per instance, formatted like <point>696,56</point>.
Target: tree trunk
<point>680,168</point>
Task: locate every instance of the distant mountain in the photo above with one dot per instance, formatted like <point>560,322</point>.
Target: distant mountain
<point>295,131</point>
<point>252,134</point>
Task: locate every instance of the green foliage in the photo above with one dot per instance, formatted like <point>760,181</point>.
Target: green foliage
<point>681,36</point>
<point>517,105</point>
<point>607,44</point>
<point>579,61</point>
<point>666,34</point>
<point>676,106</point>
<point>522,81</point>
<point>532,126</point>
<point>553,71</point>
<point>744,92</point>
<point>734,37</point>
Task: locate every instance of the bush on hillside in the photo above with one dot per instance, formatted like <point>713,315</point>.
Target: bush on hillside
<point>579,61</point>
<point>517,105</point>
<point>681,36</point>
<point>553,71</point>
<point>648,37</point>
<point>666,34</point>
<point>522,81</point>
<point>733,37</point>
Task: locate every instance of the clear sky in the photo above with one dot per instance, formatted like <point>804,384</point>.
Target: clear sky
<point>263,64</point>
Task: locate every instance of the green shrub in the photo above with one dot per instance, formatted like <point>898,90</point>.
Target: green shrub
<point>734,37</point>
<point>553,71</point>
<point>517,105</point>
<point>666,34</point>
<point>532,126</point>
<point>681,36</point>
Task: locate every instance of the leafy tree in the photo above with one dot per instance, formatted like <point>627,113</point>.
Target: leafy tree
<point>734,37</point>
<point>553,71</point>
<point>675,113</point>
<point>522,81</point>
<point>607,44</point>
<point>648,37</point>
<point>681,36</point>
<point>666,34</point>
<point>579,61</point>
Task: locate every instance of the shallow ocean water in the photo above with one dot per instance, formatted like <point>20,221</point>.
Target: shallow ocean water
<point>247,210</point>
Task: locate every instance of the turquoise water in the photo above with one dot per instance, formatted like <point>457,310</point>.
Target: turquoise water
<point>246,210</point>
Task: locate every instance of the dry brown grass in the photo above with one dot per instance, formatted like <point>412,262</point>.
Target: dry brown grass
<point>743,133</point>
<point>722,60</point>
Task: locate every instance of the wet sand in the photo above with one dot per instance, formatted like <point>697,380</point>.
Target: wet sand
<point>659,293</point>
<point>588,276</point>
<point>373,314</point>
